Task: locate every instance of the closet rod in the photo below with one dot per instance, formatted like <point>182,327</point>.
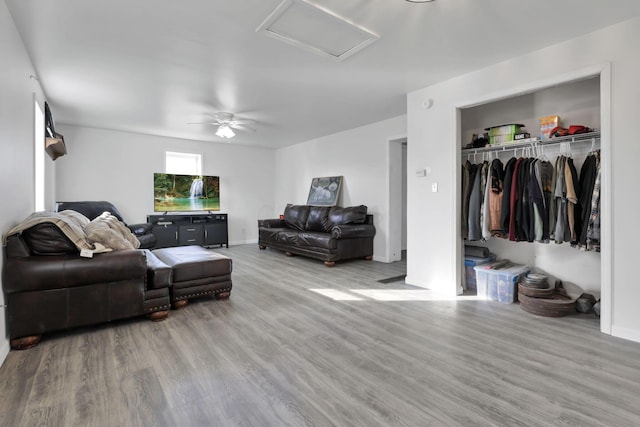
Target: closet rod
<point>535,142</point>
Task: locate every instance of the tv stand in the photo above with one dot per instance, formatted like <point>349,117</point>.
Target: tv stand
<point>207,229</point>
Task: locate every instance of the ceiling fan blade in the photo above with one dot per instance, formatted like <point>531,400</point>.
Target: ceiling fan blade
<point>242,122</point>
<point>204,123</point>
<point>241,127</point>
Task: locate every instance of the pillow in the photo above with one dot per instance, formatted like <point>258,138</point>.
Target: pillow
<point>48,239</point>
<point>318,219</point>
<point>349,215</point>
<point>295,216</point>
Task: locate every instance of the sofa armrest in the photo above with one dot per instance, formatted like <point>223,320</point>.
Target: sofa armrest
<point>271,223</point>
<point>352,231</point>
<point>140,229</point>
<point>158,273</point>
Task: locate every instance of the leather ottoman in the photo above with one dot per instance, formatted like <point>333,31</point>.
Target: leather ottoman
<point>196,271</point>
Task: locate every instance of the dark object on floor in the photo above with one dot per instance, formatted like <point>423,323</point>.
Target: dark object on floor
<point>329,234</point>
<point>560,288</point>
<point>195,272</point>
<point>537,281</point>
<point>585,302</point>
<point>557,306</point>
<point>535,292</point>
<point>393,279</point>
<point>596,308</point>
<point>94,209</point>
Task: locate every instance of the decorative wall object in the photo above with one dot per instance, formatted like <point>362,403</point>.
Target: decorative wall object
<point>325,191</point>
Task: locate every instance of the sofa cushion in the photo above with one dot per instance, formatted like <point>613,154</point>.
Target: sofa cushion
<point>348,215</point>
<point>318,219</point>
<point>48,239</point>
<point>316,240</point>
<point>295,216</point>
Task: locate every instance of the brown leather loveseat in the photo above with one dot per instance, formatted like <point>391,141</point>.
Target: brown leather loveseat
<point>49,286</point>
<point>329,234</point>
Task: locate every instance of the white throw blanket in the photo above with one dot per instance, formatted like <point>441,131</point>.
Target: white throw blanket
<point>108,231</point>
<point>104,234</point>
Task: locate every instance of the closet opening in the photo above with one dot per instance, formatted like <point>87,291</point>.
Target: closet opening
<point>582,265</point>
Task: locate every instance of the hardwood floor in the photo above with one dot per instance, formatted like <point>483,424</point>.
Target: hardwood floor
<point>300,344</point>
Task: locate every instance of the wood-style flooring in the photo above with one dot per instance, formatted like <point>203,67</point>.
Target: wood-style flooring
<point>300,344</point>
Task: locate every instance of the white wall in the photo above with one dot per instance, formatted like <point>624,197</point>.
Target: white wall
<point>119,166</point>
<point>361,155</point>
<point>18,92</point>
<point>433,140</point>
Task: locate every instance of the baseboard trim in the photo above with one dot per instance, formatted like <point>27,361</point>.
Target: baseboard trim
<point>244,242</point>
<point>625,333</point>
<point>411,281</point>
<point>4,350</point>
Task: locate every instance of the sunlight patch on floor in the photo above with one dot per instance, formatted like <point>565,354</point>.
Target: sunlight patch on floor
<point>390,295</point>
<point>337,295</point>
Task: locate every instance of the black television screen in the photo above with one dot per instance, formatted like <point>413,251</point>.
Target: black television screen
<point>184,193</point>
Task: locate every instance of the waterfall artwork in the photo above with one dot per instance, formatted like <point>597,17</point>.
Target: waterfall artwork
<point>185,193</point>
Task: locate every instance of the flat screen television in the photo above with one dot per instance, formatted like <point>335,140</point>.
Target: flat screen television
<point>185,193</point>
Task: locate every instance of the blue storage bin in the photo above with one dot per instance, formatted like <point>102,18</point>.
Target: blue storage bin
<point>470,274</point>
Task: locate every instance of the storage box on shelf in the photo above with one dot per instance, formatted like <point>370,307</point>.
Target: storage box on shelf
<point>499,284</point>
<point>547,124</point>
<point>503,133</point>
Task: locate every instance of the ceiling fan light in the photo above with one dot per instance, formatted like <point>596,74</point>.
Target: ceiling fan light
<point>225,131</point>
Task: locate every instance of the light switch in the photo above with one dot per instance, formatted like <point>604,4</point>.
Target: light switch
<point>434,187</point>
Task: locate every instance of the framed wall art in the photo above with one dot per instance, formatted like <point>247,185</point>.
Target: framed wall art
<point>325,191</point>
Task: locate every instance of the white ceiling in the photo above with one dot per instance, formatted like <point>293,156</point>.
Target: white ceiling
<point>153,66</point>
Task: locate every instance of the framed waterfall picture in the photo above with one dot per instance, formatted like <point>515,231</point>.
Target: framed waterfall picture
<point>325,191</point>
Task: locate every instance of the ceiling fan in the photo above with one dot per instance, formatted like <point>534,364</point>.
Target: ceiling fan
<point>226,122</point>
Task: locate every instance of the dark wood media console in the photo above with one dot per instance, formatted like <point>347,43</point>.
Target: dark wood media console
<point>194,229</point>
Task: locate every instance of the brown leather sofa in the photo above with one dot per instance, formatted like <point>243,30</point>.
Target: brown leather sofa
<point>329,234</point>
<point>48,286</point>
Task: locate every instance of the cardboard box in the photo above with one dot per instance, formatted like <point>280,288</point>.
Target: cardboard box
<point>547,124</point>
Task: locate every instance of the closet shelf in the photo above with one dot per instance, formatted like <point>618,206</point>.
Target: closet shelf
<point>535,142</point>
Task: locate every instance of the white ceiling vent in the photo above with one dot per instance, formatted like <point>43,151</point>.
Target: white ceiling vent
<point>311,27</point>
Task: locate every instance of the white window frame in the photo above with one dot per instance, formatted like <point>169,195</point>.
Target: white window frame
<point>183,163</point>
<point>38,158</point>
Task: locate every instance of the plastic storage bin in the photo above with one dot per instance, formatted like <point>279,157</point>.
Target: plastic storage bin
<point>508,281</point>
<point>500,284</point>
<point>470,273</point>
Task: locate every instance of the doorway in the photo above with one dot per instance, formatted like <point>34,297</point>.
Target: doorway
<point>397,221</point>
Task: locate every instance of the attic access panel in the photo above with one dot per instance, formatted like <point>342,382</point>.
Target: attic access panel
<point>316,29</point>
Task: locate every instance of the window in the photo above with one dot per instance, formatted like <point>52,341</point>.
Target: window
<point>38,153</point>
<point>183,163</point>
